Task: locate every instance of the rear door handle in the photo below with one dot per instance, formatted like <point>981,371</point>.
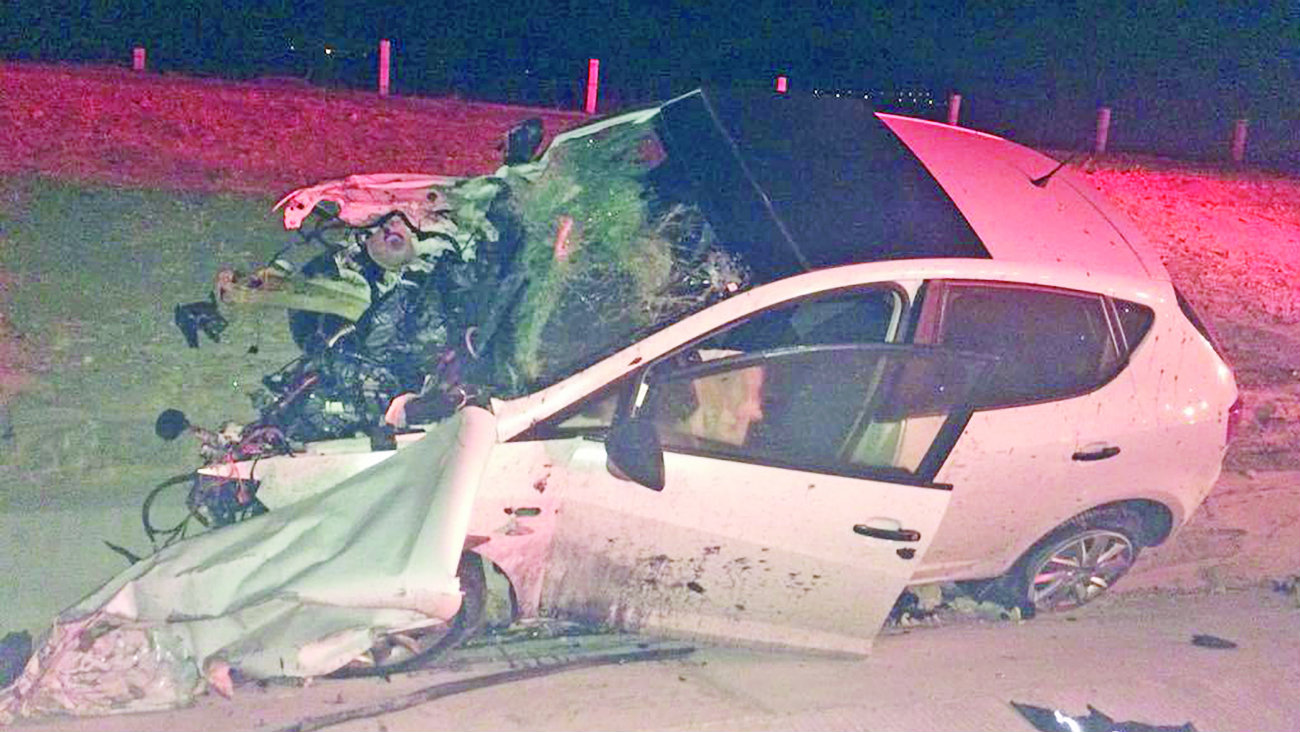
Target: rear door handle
<point>1095,452</point>
<point>889,534</point>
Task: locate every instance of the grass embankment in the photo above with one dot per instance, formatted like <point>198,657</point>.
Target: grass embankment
<point>91,275</point>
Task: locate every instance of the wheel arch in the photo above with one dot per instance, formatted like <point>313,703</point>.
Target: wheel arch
<point>1150,521</point>
<point>1156,522</point>
<point>1157,519</point>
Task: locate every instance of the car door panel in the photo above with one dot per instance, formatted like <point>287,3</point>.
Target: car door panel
<point>770,526</point>
<point>736,550</point>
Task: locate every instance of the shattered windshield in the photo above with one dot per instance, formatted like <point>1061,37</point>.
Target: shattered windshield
<point>614,245</point>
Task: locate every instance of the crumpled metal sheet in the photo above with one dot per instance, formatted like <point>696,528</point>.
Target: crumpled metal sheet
<point>364,198</point>
<point>300,591</point>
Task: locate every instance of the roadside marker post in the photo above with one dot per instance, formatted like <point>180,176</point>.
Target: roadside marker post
<point>1103,131</point>
<point>385,51</point>
<point>593,82</point>
<point>137,58</point>
<point>954,109</point>
<point>1239,140</point>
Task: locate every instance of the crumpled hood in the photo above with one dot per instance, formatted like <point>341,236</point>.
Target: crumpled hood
<point>300,591</point>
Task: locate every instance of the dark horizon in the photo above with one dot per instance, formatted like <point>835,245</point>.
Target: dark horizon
<point>1244,55</point>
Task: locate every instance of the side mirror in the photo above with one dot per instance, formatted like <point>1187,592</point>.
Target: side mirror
<point>523,141</point>
<point>633,452</point>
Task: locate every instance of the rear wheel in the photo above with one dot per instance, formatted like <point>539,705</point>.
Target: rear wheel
<point>1076,563</point>
<point>407,651</point>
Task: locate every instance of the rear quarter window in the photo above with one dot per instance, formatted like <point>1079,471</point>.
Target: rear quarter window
<point>1134,321</point>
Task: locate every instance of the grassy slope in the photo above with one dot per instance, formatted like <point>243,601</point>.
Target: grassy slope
<point>100,270</point>
<point>97,272</point>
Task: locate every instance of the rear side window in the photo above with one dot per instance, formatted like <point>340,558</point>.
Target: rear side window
<point>1050,343</point>
<point>1134,321</point>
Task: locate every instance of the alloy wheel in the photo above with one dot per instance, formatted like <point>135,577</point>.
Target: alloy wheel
<point>1079,569</point>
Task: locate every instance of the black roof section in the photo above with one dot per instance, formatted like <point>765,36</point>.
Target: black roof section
<point>797,183</point>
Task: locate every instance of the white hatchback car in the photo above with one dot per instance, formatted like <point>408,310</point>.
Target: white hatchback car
<point>948,360</point>
<point>960,364</point>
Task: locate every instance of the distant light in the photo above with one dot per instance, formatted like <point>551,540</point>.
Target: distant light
<point>329,51</point>
<point>782,84</point>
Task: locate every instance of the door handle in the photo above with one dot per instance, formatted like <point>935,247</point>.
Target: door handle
<point>889,534</point>
<point>1095,452</point>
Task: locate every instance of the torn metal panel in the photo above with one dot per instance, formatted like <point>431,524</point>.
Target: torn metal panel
<point>361,199</point>
<point>300,591</point>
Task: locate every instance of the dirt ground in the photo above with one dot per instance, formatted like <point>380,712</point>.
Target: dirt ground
<point>1131,657</point>
<point>88,353</point>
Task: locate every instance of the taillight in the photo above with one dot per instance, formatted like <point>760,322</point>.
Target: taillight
<point>1234,418</point>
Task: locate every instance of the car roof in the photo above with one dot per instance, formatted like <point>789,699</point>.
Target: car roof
<point>1061,220</point>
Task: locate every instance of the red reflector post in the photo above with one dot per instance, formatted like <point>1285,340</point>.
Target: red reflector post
<point>593,84</point>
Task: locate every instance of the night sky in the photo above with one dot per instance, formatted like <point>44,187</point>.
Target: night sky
<point>1246,54</point>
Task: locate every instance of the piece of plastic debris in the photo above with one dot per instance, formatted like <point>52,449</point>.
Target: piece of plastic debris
<point>217,673</point>
<point>1289,587</point>
<point>1054,720</point>
<point>1212,641</point>
<point>986,610</point>
<point>199,316</point>
<point>928,597</point>
<point>15,649</point>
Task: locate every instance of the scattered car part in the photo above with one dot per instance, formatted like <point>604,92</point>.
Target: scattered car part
<point>1054,720</point>
<point>199,316</point>
<point>523,141</point>
<point>1212,641</point>
<point>15,649</point>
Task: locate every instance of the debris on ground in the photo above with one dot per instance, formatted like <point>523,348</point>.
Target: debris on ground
<point>1054,720</point>
<point>15,649</point>
<point>1212,641</point>
<point>1289,587</point>
<point>930,604</point>
<point>986,609</point>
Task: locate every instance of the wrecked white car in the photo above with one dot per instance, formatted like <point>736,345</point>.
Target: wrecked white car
<point>734,368</point>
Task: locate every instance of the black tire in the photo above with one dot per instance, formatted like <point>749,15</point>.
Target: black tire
<point>1074,565</point>
<point>393,655</point>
